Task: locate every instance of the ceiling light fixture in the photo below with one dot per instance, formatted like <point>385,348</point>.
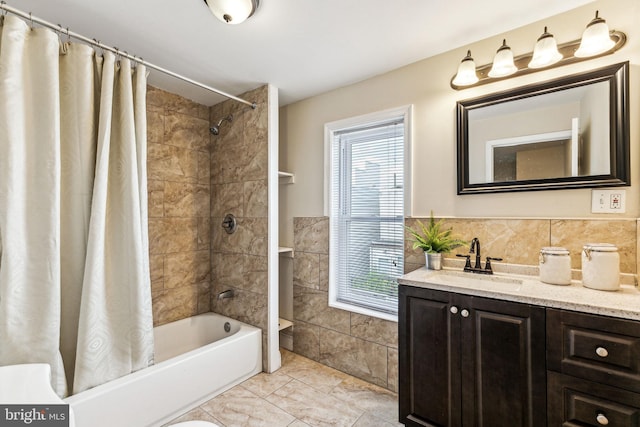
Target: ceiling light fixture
<point>545,52</point>
<point>466,74</point>
<point>232,11</point>
<point>596,41</point>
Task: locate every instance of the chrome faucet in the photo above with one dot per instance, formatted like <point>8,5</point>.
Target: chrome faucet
<point>229,293</point>
<point>477,268</point>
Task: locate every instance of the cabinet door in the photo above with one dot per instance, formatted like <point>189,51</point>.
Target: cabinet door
<point>429,387</point>
<point>503,363</point>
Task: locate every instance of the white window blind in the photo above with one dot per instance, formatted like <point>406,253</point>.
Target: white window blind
<point>367,215</point>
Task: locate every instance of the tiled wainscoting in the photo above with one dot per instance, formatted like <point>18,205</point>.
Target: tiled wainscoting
<point>366,347</point>
<point>362,346</point>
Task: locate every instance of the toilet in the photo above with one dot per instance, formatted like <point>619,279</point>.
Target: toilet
<point>29,384</point>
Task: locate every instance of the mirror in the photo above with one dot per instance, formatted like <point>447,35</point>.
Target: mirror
<point>572,132</point>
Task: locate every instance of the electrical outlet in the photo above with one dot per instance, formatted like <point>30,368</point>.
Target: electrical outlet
<point>608,201</point>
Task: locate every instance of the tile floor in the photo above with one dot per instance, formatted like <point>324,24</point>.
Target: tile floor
<point>301,393</point>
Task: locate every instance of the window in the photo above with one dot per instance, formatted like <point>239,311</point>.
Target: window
<point>365,193</point>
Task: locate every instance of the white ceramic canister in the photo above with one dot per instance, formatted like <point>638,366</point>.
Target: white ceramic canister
<point>601,266</point>
<point>555,266</point>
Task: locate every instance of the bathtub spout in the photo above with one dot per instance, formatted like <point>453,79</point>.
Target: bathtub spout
<point>226,294</point>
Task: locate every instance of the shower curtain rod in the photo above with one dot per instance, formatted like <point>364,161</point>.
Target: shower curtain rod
<point>59,29</point>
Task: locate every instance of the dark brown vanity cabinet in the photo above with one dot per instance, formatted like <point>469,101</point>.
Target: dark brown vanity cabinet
<point>470,361</point>
<point>594,370</point>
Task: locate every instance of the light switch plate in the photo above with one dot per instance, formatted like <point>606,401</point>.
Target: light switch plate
<point>608,201</point>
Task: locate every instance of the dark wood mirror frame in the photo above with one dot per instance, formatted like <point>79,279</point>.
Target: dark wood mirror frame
<point>619,171</point>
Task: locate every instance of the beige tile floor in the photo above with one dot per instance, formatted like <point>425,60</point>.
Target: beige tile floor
<point>301,393</point>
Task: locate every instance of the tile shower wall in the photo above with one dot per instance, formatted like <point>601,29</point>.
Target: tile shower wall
<point>179,192</point>
<point>239,187</point>
<point>366,347</point>
<point>359,345</point>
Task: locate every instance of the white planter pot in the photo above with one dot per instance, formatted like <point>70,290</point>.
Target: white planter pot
<point>433,261</point>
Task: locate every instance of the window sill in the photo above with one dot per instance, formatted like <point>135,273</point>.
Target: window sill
<point>364,311</point>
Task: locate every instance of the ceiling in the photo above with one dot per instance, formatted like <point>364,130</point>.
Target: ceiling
<point>303,47</point>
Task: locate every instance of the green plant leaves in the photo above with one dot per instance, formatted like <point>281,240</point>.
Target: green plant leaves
<point>432,238</point>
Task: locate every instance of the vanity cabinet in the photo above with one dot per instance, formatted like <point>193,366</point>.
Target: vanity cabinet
<point>470,361</point>
<point>594,370</point>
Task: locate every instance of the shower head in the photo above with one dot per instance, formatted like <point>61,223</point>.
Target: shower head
<point>215,130</point>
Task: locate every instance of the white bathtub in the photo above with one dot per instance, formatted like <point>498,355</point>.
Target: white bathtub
<point>195,360</point>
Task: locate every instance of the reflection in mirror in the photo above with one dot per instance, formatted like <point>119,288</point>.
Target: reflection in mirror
<point>571,132</point>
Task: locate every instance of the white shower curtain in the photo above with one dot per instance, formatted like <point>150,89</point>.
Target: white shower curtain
<point>74,269</point>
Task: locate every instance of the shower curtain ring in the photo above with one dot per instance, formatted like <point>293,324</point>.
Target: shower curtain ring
<point>31,20</point>
<point>2,6</point>
<point>68,35</point>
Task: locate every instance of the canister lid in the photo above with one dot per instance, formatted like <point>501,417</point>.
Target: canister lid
<point>554,250</point>
<point>600,247</point>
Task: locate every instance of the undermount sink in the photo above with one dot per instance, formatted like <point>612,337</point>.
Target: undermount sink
<point>484,277</point>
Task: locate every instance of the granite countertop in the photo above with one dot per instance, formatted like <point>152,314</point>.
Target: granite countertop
<point>624,303</point>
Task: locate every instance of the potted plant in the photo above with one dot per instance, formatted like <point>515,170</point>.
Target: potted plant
<point>434,241</point>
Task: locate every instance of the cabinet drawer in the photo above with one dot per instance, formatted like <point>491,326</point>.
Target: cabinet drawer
<point>574,402</point>
<point>597,348</point>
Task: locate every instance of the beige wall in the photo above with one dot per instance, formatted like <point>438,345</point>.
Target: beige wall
<point>178,185</point>
<point>425,84</point>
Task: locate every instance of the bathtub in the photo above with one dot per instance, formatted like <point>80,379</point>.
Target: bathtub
<point>195,360</point>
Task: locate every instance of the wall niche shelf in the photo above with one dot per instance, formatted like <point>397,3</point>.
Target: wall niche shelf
<point>285,251</point>
<point>285,178</point>
<point>284,323</point>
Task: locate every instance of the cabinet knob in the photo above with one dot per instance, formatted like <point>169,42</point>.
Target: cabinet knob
<point>453,309</point>
<point>602,352</point>
<point>464,313</point>
<point>602,419</point>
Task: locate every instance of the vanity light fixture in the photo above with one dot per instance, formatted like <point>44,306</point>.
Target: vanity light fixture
<point>503,62</point>
<point>232,11</point>
<point>596,40</point>
<point>466,74</point>
<point>545,53</point>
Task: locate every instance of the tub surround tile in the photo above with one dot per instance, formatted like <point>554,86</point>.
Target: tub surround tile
<point>170,163</point>
<point>311,234</point>
<point>178,163</point>
<point>240,407</point>
<point>373,329</point>
<point>574,234</point>
<point>204,233</point>
<point>169,235</point>
<point>187,268</point>
<point>186,200</point>
<point>255,199</point>
<point>362,359</point>
<point>313,407</point>
<point>172,102</point>
<point>175,304</point>
<point>155,123</point>
<point>227,198</point>
<point>247,307</point>
<point>256,274</point>
<point>186,131</point>
<point>225,269</point>
<point>298,423</point>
